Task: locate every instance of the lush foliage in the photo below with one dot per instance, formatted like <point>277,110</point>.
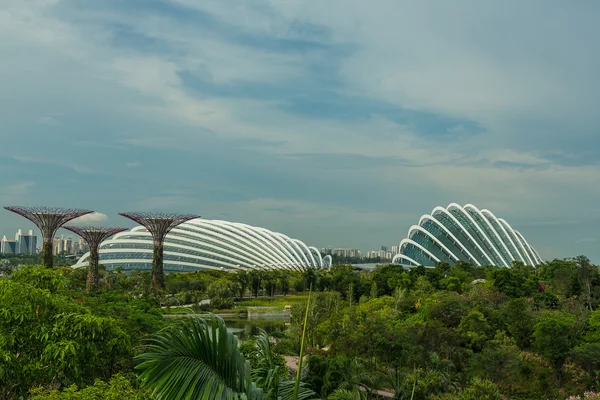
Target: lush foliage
<point>201,359</point>
<point>118,388</point>
<point>449,332</point>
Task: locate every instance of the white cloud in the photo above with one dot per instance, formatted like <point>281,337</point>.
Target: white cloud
<point>94,217</point>
<point>487,64</point>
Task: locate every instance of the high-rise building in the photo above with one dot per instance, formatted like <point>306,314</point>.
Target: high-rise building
<point>394,250</point>
<point>59,245</point>
<point>326,251</point>
<point>26,243</point>
<point>7,246</point>
<point>66,245</point>
<point>23,243</point>
<point>83,246</point>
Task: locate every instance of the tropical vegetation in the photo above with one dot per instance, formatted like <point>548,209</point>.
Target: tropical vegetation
<point>449,332</point>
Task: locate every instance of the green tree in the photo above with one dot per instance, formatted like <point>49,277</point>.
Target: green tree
<point>520,321</point>
<point>48,339</point>
<point>347,374</point>
<point>221,294</point>
<point>198,358</point>
<point>475,329</point>
<point>553,335</point>
<point>118,388</point>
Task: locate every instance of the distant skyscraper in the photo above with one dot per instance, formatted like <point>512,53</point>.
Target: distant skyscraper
<point>7,246</point>
<point>23,243</point>
<point>26,243</point>
<point>83,246</point>
<point>59,245</point>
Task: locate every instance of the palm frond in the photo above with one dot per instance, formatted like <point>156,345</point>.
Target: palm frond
<point>196,359</point>
<point>266,374</point>
<point>286,391</point>
<point>345,394</point>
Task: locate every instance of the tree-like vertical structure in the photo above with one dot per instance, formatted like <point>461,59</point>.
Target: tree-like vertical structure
<point>48,220</point>
<point>94,236</point>
<point>158,224</point>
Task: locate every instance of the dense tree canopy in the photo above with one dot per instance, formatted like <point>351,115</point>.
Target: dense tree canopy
<point>449,332</point>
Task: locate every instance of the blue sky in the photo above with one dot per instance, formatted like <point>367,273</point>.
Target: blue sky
<point>337,122</point>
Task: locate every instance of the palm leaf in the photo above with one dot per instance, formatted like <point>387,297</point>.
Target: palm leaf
<point>345,394</point>
<point>304,392</point>
<point>196,359</point>
<point>268,375</point>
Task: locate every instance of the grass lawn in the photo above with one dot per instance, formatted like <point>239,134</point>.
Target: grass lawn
<point>242,305</point>
<point>283,301</point>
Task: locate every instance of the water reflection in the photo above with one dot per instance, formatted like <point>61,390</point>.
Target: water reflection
<point>245,329</point>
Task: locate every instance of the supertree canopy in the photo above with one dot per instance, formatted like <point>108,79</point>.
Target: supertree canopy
<point>93,235</point>
<point>158,224</point>
<point>48,220</point>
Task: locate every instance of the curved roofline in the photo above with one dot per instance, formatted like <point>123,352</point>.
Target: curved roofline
<point>412,242</point>
<point>456,241</point>
<point>489,225</point>
<point>491,214</point>
<point>318,253</point>
<point>447,213</point>
<point>234,245</point>
<point>209,235</point>
<point>493,239</point>
<point>478,228</point>
<point>402,256</point>
<point>251,244</point>
<point>529,247</point>
<point>506,224</point>
<point>426,232</point>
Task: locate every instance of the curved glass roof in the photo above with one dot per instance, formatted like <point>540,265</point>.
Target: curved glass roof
<point>464,233</point>
<point>201,244</point>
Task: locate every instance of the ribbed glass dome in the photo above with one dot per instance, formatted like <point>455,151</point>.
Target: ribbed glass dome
<point>464,233</point>
<point>209,244</point>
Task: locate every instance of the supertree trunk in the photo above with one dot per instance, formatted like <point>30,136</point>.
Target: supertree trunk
<point>48,220</point>
<point>92,276</point>
<point>47,256</point>
<point>94,236</point>
<point>159,225</point>
<point>158,275</point>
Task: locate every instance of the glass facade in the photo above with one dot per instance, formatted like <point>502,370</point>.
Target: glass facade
<point>464,233</point>
<point>206,244</point>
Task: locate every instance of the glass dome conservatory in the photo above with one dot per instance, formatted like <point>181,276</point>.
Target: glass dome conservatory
<point>201,244</point>
<point>464,233</point>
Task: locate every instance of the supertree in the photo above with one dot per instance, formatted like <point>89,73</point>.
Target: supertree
<point>158,224</point>
<point>48,220</point>
<point>93,235</point>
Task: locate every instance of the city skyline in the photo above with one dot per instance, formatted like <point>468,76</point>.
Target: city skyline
<point>65,235</point>
<point>337,123</point>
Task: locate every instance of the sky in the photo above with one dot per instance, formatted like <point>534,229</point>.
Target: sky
<point>336,122</point>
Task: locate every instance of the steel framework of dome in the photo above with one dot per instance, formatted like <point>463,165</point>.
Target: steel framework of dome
<point>201,244</point>
<point>464,233</point>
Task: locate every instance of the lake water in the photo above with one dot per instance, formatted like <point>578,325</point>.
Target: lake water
<point>245,329</point>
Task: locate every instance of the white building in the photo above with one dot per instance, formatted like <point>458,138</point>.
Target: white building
<point>23,243</point>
